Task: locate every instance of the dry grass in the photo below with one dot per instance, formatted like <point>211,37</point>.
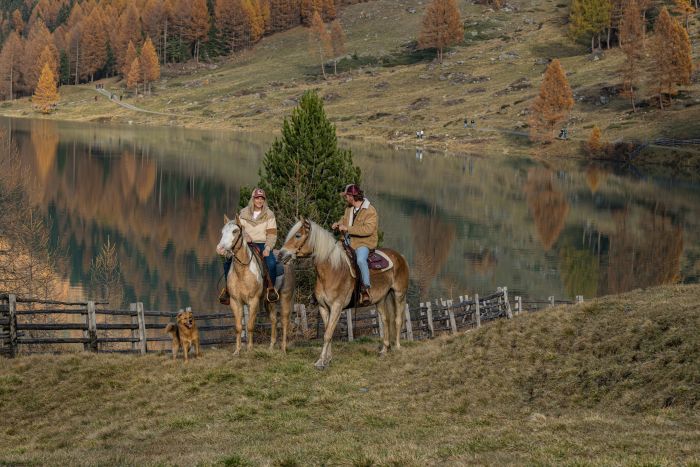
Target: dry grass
<point>502,55</point>
<point>614,381</point>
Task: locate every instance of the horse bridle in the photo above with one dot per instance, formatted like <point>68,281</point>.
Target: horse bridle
<point>235,249</point>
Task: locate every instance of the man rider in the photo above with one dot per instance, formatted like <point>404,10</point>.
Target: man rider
<point>361,222</point>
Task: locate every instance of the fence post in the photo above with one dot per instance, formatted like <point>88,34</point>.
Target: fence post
<point>551,300</point>
<point>304,320</point>
<point>409,325</point>
<point>92,325</point>
<point>348,316</point>
<point>579,298</point>
<point>12,301</point>
<point>134,332</point>
<point>478,310</point>
<point>509,311</point>
<point>451,314</point>
<point>143,348</point>
<point>431,328</point>
<point>520,304</point>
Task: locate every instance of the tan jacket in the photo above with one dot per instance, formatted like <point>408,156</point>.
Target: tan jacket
<point>363,229</point>
<point>263,229</point>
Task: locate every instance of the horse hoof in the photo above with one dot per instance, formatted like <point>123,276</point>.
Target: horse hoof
<point>320,365</point>
<point>237,353</point>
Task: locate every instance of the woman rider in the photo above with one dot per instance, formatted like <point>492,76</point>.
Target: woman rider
<point>260,227</point>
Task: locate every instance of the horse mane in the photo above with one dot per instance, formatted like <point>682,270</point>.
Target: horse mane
<point>323,244</point>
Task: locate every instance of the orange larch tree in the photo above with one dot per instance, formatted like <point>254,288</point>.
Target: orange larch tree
<point>198,30</point>
<point>149,64</point>
<point>94,44</point>
<point>442,26</point>
<point>45,94</point>
<point>129,58</point>
<point>552,105</point>
<point>129,30</point>
<point>670,57</point>
<point>17,21</point>
<point>134,77</point>
<point>9,65</point>
<point>319,40</point>
<point>632,44</point>
<point>48,57</point>
<point>337,43</point>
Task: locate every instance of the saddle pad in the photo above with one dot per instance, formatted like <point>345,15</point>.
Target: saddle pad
<point>378,260</point>
<point>383,263</point>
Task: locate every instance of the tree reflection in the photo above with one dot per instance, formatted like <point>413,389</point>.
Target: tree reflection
<point>644,253</point>
<point>432,242</point>
<point>547,205</point>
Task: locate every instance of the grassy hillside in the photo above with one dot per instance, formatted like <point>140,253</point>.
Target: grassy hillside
<point>613,381</point>
<point>385,91</point>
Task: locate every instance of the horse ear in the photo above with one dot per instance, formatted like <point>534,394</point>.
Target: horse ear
<point>226,219</point>
<point>238,220</point>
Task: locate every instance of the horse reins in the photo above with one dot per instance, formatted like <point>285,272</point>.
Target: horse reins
<point>234,250</point>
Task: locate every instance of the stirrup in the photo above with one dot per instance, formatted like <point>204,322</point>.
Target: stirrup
<point>271,295</point>
<point>224,297</point>
<point>365,298</point>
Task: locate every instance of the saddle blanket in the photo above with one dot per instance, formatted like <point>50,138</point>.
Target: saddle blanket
<point>377,261</point>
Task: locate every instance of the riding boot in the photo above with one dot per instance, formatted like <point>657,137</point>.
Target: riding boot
<point>365,298</point>
<point>224,297</point>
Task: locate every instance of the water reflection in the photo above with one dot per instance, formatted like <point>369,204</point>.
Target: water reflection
<point>465,224</point>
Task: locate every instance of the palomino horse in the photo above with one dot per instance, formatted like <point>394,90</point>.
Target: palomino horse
<point>335,284</point>
<point>245,286</point>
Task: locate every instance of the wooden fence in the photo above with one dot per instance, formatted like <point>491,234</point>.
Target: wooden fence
<point>29,325</point>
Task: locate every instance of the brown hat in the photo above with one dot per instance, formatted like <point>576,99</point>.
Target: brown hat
<point>259,193</point>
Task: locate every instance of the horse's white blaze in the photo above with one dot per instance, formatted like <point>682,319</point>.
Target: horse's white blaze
<point>226,242</point>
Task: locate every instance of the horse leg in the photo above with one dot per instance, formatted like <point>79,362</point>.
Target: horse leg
<point>399,303</point>
<point>330,320</point>
<point>284,315</point>
<point>272,310</point>
<point>253,313</point>
<point>238,318</point>
<point>382,309</point>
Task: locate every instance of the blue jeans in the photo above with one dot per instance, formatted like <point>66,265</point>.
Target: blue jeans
<point>362,253</point>
<point>270,260</point>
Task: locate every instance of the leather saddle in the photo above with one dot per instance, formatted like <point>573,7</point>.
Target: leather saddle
<point>270,293</point>
<point>374,261</point>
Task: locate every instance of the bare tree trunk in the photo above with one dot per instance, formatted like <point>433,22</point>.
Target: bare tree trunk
<point>335,66</point>
<point>592,43</point>
<point>12,69</point>
<point>608,40</point>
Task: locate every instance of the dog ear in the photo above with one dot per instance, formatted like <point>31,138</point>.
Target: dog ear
<point>226,219</point>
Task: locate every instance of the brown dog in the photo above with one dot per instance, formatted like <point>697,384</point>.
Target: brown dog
<point>184,334</point>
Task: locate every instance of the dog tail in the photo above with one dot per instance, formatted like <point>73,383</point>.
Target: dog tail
<point>172,329</point>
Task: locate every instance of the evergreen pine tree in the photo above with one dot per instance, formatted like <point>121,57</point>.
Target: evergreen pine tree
<point>552,105</point>
<point>304,170</point>
<point>46,94</point>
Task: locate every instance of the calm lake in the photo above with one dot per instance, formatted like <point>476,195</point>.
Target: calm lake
<point>465,224</point>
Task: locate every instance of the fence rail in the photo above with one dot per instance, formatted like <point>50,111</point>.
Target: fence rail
<point>24,329</point>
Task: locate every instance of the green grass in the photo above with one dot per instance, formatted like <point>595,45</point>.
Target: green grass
<point>614,381</point>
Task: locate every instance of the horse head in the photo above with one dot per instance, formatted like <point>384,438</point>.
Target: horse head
<point>296,245</point>
<point>230,235</point>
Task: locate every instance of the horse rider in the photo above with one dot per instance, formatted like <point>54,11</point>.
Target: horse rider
<point>260,227</point>
<point>361,222</point>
